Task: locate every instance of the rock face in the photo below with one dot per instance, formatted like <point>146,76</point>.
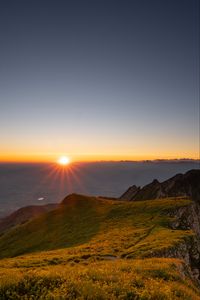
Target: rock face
<point>24,214</point>
<point>186,218</point>
<point>187,184</point>
<point>130,193</point>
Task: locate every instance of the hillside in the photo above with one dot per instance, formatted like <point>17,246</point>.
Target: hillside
<point>95,248</point>
<point>24,214</point>
<point>116,228</point>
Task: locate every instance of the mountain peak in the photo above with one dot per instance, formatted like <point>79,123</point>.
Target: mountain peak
<point>187,184</point>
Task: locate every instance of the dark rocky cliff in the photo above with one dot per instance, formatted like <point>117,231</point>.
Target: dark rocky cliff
<point>185,218</point>
<point>187,184</point>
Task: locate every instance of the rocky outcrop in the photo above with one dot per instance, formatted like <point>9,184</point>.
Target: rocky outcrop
<point>187,184</point>
<point>184,218</point>
<point>130,193</point>
<point>188,250</point>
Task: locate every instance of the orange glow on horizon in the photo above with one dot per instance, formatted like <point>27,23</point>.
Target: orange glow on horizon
<point>49,158</point>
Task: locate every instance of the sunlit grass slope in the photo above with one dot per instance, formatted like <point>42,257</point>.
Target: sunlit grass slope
<point>80,251</point>
<point>100,227</point>
<point>155,279</point>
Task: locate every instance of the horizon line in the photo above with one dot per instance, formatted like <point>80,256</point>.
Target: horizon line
<point>103,161</point>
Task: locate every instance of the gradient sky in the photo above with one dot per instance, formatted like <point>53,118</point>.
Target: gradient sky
<point>99,79</point>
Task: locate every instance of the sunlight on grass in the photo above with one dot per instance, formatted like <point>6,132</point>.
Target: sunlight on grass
<point>122,279</point>
<point>92,249</point>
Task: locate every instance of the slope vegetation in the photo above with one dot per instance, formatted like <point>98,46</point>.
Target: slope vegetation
<point>94,248</point>
<point>108,227</point>
<point>24,214</point>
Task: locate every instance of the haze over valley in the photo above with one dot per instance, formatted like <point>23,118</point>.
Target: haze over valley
<point>28,184</point>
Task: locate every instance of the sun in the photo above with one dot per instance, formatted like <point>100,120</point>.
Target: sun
<point>63,160</point>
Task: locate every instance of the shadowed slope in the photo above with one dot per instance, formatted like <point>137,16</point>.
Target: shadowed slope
<point>107,227</point>
<point>24,214</point>
<point>74,222</point>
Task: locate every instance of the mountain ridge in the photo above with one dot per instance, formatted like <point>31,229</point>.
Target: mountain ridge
<point>187,184</point>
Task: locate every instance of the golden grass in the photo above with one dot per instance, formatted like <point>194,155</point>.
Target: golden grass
<point>80,251</point>
<point>120,279</point>
<point>98,227</point>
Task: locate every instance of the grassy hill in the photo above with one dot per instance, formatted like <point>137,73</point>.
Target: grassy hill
<point>91,248</point>
<point>24,214</point>
<point>108,227</point>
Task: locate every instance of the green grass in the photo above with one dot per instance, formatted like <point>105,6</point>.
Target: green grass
<point>103,226</point>
<point>93,248</point>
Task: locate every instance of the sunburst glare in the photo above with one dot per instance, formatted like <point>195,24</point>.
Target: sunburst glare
<point>63,160</point>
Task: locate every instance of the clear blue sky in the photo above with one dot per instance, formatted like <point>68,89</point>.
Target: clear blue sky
<point>99,79</point>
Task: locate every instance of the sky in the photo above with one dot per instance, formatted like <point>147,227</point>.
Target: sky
<point>99,80</point>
